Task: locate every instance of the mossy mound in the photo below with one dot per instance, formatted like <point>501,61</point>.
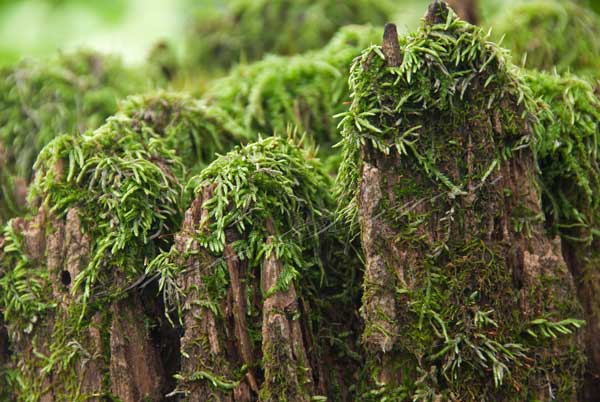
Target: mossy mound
<point>198,132</point>
<point>305,91</point>
<point>39,100</point>
<point>249,29</point>
<point>549,35</point>
<point>108,200</point>
<point>464,294</point>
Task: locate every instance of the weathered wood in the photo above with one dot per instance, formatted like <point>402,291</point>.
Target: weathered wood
<point>466,10</point>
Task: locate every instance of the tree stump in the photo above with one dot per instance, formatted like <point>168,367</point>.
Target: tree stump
<point>465,294</point>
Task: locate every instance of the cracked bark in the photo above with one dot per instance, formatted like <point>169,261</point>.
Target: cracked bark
<point>62,246</point>
<point>210,343</point>
<point>218,341</point>
<point>287,373</point>
<point>584,262</point>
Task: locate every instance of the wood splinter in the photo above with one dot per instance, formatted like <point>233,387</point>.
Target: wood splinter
<point>391,46</point>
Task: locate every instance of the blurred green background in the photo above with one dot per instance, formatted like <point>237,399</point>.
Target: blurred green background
<point>127,27</point>
<point>37,28</point>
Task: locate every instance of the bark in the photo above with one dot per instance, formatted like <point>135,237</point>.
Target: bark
<point>210,349</point>
<point>216,343</point>
<point>287,372</point>
<point>584,263</point>
<point>466,10</point>
<point>129,360</point>
<point>136,372</point>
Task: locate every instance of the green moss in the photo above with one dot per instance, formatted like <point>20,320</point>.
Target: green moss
<point>567,138</point>
<point>249,29</point>
<point>305,90</point>
<point>127,186</point>
<point>23,285</point>
<point>198,132</point>
<point>271,179</point>
<point>442,128</point>
<point>274,195</point>
<point>551,35</point>
<point>39,100</point>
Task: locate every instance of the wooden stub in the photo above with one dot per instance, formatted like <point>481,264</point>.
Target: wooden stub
<point>391,46</point>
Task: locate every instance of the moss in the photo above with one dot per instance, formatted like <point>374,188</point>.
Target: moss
<point>197,131</point>
<point>39,100</point>
<point>143,175</point>
<point>306,90</point>
<point>443,128</point>
<point>567,137</point>
<point>249,29</point>
<point>271,179</point>
<point>551,35</point>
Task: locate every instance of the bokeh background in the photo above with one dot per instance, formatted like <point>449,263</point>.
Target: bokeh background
<point>38,28</point>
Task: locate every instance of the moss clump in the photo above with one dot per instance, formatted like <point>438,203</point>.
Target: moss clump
<point>549,35</point>
<point>462,300</point>
<point>69,93</point>
<point>271,179</point>
<point>249,29</point>
<point>195,130</point>
<point>110,196</point>
<point>305,90</point>
<point>567,137</point>
<point>127,185</point>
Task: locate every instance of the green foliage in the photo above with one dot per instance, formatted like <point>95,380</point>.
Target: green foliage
<point>568,134</point>
<point>271,197</point>
<point>436,72</point>
<point>552,34</point>
<point>269,180</point>
<point>123,182</point>
<point>39,100</point>
<point>439,127</point>
<point>305,90</point>
<point>249,29</point>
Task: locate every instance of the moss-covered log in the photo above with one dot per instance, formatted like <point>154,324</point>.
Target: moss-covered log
<point>247,30</point>
<point>568,134</point>
<point>465,296</point>
<point>40,100</point>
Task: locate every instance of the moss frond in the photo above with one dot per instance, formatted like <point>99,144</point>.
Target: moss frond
<point>567,141</point>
